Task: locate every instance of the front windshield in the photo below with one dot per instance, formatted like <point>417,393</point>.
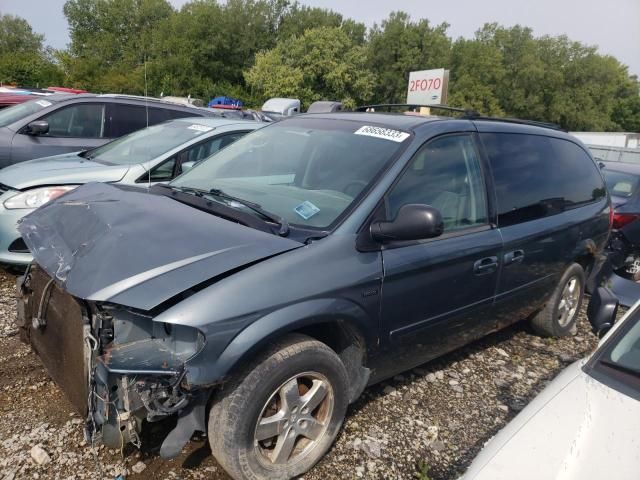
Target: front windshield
<point>305,170</point>
<point>13,114</point>
<point>620,184</point>
<point>148,143</point>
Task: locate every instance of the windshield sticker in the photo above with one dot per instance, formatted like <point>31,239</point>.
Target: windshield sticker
<point>306,209</point>
<point>384,133</point>
<point>200,128</point>
<point>43,103</point>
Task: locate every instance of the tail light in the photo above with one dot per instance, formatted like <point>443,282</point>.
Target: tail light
<point>622,219</point>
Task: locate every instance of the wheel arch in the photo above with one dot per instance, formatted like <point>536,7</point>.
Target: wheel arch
<point>338,323</point>
<point>585,255</point>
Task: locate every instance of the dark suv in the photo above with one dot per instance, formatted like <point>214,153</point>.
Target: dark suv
<point>258,294</point>
<point>64,123</point>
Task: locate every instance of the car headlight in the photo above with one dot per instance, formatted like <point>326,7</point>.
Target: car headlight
<point>36,197</point>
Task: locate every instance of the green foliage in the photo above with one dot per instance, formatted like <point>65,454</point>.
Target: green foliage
<point>23,58</point>
<point>322,64</point>
<point>110,40</point>
<point>626,112</point>
<point>400,45</point>
<point>255,49</point>
<point>17,37</point>
<point>422,471</point>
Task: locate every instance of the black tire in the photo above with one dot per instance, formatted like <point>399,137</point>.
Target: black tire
<point>235,413</point>
<point>548,322</point>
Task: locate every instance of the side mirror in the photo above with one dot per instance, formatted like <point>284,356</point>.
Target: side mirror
<point>39,127</point>
<point>186,166</point>
<point>602,311</point>
<point>413,222</point>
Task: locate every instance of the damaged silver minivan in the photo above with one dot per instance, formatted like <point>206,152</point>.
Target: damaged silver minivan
<point>255,296</point>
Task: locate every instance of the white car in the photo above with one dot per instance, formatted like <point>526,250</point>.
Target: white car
<point>586,424</point>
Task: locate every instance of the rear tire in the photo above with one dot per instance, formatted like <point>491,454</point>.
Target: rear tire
<point>282,413</point>
<point>558,317</point>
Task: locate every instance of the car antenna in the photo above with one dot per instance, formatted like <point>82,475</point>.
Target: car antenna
<point>146,111</point>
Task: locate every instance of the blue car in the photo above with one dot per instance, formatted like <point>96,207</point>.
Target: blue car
<point>258,294</point>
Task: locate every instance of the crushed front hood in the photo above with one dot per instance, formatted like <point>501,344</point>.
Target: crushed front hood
<point>132,248</point>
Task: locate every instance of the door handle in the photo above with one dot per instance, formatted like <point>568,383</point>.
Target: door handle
<point>485,265</point>
<point>513,257</point>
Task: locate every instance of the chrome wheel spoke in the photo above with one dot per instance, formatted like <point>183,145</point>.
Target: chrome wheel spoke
<point>314,396</point>
<point>271,426</point>
<point>290,395</point>
<point>562,306</point>
<point>284,446</point>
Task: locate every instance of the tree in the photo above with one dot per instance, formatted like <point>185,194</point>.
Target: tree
<point>476,71</point>
<point>111,40</point>
<point>508,71</point>
<point>259,48</point>
<point>23,58</point>
<point>296,19</point>
<point>17,37</point>
<point>322,64</point>
<point>626,112</point>
<point>399,46</point>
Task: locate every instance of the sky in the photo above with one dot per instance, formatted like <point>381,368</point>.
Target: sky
<point>613,26</point>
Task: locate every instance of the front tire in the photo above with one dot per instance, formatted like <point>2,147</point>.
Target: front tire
<point>281,415</point>
<point>558,317</point>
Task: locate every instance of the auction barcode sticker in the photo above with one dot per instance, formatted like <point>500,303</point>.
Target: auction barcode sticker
<point>200,128</point>
<point>384,133</point>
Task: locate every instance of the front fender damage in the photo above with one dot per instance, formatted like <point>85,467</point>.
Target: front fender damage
<point>131,368</point>
<point>140,374</point>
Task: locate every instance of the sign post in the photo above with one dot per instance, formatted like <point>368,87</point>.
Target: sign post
<point>428,87</point>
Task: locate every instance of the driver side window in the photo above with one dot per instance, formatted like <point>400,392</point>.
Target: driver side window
<point>85,120</point>
<point>446,174</point>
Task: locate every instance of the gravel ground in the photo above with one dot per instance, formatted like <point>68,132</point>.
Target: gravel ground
<point>434,418</point>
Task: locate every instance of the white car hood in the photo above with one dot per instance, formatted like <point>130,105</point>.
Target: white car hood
<point>576,429</point>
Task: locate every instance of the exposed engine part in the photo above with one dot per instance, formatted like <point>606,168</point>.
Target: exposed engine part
<point>39,321</point>
<point>632,265</point>
<point>126,418</point>
<point>162,400</point>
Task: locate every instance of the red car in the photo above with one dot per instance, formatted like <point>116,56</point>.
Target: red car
<point>12,96</point>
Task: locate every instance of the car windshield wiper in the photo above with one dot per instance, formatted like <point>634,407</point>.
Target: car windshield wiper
<point>281,222</point>
<point>191,191</point>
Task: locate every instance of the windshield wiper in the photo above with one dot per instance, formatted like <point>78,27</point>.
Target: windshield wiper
<point>281,222</point>
<point>191,191</point>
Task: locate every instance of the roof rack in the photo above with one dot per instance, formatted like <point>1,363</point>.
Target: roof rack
<point>389,106</point>
<point>467,114</point>
<point>534,123</point>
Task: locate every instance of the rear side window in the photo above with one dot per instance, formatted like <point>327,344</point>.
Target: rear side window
<point>182,113</point>
<point>537,176</point>
<point>620,184</point>
<point>130,118</point>
<point>126,119</point>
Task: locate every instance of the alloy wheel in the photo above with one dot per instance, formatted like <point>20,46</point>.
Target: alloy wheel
<point>294,419</point>
<point>569,301</point>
